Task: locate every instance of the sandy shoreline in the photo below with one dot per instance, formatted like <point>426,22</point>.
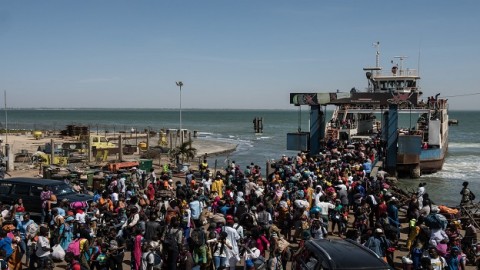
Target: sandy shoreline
<point>26,143</point>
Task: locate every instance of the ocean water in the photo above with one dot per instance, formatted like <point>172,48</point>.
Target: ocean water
<point>236,126</point>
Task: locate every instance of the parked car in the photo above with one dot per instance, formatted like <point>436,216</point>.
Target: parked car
<point>336,254</point>
<point>29,189</point>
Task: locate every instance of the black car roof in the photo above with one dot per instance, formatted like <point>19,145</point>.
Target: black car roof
<point>27,180</point>
<point>347,254</point>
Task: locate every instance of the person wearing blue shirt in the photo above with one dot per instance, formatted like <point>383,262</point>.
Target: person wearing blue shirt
<point>367,166</point>
<point>6,244</point>
<point>22,229</point>
<point>66,232</point>
<point>392,211</point>
<point>378,243</point>
<point>455,261</point>
<point>196,208</point>
<point>61,211</point>
<point>224,209</point>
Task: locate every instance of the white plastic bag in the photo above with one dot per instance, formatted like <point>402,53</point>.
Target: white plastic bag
<point>406,260</point>
<point>58,254</point>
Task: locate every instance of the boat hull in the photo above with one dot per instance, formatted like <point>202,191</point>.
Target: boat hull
<point>432,160</point>
<point>413,161</point>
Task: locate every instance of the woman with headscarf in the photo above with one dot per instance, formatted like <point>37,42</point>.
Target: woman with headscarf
<point>66,232</point>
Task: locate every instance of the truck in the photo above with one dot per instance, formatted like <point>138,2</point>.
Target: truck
<point>99,142</point>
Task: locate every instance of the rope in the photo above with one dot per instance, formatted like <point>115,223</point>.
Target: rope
<point>463,95</point>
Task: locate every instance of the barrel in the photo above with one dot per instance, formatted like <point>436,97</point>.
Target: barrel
<point>37,134</point>
<point>142,146</point>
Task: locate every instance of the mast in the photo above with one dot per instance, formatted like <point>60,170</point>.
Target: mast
<point>401,62</point>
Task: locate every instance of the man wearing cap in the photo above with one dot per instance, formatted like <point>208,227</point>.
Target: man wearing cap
<point>392,211</point>
<point>378,243</point>
<point>134,176</point>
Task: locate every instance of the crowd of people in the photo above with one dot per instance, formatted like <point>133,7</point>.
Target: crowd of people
<point>234,217</point>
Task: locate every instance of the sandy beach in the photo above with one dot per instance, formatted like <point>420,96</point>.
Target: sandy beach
<point>27,143</point>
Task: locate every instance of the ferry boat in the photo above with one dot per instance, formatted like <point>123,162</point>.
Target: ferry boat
<point>418,149</point>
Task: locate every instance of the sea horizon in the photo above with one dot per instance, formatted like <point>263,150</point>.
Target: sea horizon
<point>294,108</point>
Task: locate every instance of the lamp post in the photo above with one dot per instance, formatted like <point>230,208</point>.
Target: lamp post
<point>180,84</point>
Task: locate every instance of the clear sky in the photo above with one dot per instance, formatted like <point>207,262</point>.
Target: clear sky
<point>229,54</point>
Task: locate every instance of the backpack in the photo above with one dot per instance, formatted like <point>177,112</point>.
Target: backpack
<point>82,267</point>
<point>262,218</point>
<point>74,247</point>
<point>198,237</point>
<point>170,241</point>
<point>260,262</point>
<point>3,265</point>
<point>92,253</point>
<point>142,202</point>
<point>283,244</point>
<point>113,244</point>
<point>247,220</point>
<point>471,196</point>
<point>157,259</point>
<point>96,197</point>
<point>32,229</point>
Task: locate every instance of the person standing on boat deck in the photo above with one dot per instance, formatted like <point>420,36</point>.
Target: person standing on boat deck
<point>467,194</point>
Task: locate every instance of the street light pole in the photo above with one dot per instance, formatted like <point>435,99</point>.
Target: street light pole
<point>180,84</point>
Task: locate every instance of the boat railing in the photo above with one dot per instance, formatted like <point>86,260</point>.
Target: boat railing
<point>408,72</point>
<point>402,72</point>
<point>440,104</point>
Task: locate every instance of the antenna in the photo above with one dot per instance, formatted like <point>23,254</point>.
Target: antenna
<point>6,119</point>
<point>377,56</point>
<point>418,61</point>
<point>401,62</point>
